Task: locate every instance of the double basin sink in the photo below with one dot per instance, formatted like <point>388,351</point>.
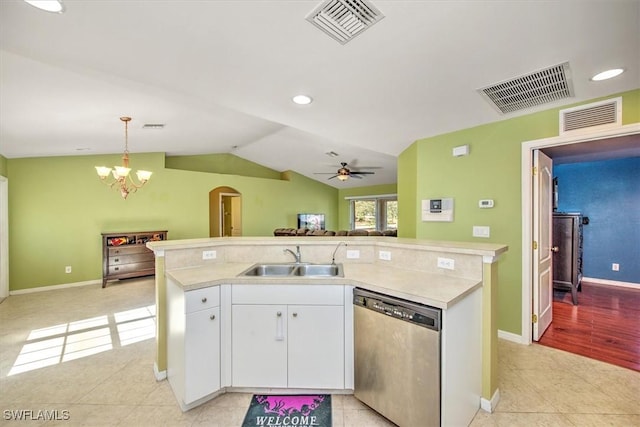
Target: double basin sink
<point>294,270</point>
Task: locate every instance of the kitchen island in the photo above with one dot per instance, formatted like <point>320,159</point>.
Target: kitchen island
<point>202,301</point>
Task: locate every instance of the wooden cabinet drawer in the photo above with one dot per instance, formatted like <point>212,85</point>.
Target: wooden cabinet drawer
<point>131,249</point>
<point>131,268</point>
<point>130,259</point>
<point>201,299</point>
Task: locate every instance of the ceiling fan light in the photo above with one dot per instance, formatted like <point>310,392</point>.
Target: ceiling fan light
<point>343,177</point>
<point>608,74</point>
<point>54,6</point>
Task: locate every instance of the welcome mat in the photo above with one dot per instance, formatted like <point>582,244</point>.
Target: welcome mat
<point>289,410</point>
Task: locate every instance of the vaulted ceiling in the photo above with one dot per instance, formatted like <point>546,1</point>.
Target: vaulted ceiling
<point>220,75</point>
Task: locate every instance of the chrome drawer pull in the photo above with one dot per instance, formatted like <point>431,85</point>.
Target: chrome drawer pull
<point>204,299</point>
<point>295,314</point>
<point>212,317</point>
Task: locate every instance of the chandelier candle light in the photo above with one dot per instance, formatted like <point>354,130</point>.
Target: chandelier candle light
<point>121,173</point>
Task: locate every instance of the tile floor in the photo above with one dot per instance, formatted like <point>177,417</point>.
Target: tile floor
<point>98,350</point>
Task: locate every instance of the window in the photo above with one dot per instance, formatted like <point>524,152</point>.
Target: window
<point>374,212</point>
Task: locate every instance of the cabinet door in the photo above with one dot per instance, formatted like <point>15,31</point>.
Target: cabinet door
<point>259,346</point>
<point>316,346</point>
<point>202,354</point>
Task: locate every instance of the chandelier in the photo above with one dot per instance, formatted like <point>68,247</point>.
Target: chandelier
<point>122,180</point>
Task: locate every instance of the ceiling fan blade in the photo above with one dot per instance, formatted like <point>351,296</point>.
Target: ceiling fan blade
<point>332,177</point>
<point>355,176</point>
<point>324,173</point>
<point>362,173</point>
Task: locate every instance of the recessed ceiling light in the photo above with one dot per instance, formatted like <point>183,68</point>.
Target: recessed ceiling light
<point>47,5</point>
<point>607,74</point>
<point>302,99</point>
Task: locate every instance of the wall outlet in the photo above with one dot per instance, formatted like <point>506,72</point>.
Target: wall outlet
<point>481,231</point>
<point>67,269</point>
<point>446,263</point>
<point>353,254</point>
<point>209,254</point>
<point>385,255</point>
<point>615,266</point>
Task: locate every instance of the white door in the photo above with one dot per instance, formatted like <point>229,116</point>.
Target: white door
<point>202,354</point>
<point>316,346</point>
<point>542,255</point>
<point>259,346</point>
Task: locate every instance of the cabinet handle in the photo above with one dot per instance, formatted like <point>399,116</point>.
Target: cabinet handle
<point>295,314</point>
<point>204,299</point>
<point>212,317</point>
<point>117,268</point>
<point>279,327</point>
<point>117,260</point>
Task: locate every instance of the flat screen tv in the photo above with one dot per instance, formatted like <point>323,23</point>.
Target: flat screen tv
<point>311,221</point>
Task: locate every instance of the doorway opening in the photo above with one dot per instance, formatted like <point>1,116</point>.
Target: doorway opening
<point>529,283</point>
<point>225,212</point>
<point>4,238</point>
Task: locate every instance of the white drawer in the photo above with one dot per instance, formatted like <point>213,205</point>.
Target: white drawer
<point>201,299</point>
<point>288,294</point>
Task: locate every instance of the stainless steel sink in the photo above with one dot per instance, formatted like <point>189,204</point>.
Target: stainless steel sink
<point>324,270</point>
<point>269,270</point>
<point>300,270</point>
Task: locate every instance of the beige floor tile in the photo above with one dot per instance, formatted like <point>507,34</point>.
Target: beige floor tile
<point>539,386</point>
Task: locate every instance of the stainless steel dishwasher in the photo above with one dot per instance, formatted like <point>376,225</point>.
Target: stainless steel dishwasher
<point>397,358</point>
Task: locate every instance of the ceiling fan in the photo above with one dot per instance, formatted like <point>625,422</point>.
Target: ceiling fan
<point>344,173</point>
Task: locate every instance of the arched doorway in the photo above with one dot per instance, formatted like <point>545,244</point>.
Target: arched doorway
<point>225,212</point>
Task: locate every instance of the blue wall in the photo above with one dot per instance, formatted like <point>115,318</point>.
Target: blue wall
<point>608,192</point>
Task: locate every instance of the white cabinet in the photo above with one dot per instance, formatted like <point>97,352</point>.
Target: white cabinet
<point>316,346</point>
<point>288,336</point>
<point>193,343</point>
<point>259,349</point>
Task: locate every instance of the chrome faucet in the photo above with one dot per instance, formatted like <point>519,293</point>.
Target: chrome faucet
<point>333,257</point>
<point>296,254</point>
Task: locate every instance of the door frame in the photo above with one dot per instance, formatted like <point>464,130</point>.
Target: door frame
<point>527,207</point>
<point>4,237</point>
<point>221,221</point>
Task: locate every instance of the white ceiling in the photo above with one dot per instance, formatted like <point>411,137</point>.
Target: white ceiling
<point>221,74</point>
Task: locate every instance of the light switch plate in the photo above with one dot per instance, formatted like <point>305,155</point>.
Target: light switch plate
<point>481,231</point>
<point>385,255</point>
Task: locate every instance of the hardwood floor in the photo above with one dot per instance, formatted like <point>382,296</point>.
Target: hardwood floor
<point>603,326</point>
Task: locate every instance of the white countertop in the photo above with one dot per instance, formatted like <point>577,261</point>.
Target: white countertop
<point>436,290</point>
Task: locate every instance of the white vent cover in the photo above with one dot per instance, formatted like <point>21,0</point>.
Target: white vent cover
<point>530,90</point>
<point>602,114</point>
<point>344,19</point>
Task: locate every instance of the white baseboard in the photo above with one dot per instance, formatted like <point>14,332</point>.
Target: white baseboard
<point>160,375</point>
<point>611,283</point>
<point>54,287</point>
<point>490,405</point>
<point>510,336</point>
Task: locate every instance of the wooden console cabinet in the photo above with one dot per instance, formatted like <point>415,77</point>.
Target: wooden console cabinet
<point>125,255</point>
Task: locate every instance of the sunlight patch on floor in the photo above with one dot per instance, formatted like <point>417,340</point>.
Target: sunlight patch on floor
<point>74,340</point>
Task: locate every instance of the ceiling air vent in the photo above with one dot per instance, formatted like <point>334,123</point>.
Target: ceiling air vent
<point>601,114</point>
<point>344,19</point>
<point>541,87</point>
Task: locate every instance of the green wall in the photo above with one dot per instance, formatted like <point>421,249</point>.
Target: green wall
<point>223,163</point>
<point>371,190</point>
<point>58,207</point>
<point>490,171</point>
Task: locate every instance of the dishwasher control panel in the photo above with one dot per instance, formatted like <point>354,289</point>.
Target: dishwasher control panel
<point>421,315</point>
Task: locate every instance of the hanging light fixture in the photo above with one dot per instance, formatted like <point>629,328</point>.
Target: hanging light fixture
<point>122,180</point>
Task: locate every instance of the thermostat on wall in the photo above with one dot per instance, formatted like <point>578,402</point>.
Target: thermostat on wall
<point>485,203</point>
